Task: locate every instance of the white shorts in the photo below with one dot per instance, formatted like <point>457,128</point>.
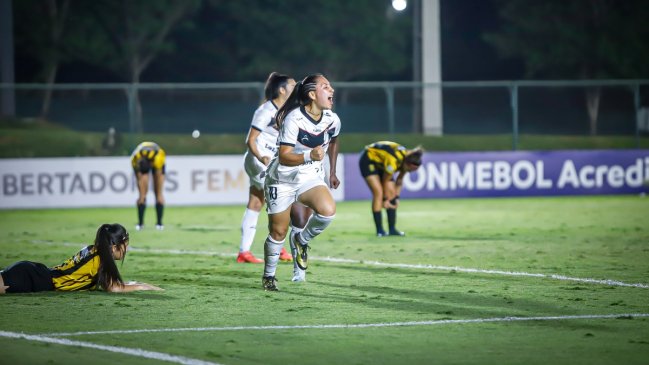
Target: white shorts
<point>279,196</point>
<point>254,168</point>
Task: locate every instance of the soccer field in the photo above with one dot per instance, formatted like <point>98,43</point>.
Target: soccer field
<point>476,281</point>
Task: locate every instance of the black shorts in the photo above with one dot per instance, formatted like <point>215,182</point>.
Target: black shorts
<point>153,170</point>
<point>368,167</point>
<point>27,277</point>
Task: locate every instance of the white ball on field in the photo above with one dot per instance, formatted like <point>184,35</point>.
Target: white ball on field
<point>196,133</point>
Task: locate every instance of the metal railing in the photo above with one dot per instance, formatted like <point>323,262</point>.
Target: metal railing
<point>474,107</point>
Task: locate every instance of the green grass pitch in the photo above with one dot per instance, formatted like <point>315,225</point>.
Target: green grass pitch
<point>475,281</point>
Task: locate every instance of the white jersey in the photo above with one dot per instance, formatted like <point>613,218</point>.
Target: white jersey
<point>304,133</point>
<point>264,121</point>
<point>266,142</point>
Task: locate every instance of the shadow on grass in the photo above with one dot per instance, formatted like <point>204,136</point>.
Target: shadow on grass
<point>397,295</point>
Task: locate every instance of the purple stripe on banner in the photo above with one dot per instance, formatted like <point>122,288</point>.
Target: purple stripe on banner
<point>537,173</point>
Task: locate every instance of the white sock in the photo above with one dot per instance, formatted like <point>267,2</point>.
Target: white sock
<point>316,224</point>
<point>272,249</point>
<point>248,229</point>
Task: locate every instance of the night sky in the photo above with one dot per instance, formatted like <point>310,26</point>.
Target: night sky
<point>465,56</point>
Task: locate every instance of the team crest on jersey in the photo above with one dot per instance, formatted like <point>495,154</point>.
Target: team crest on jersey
<point>310,140</point>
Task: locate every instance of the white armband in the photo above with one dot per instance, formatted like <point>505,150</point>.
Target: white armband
<point>307,156</point>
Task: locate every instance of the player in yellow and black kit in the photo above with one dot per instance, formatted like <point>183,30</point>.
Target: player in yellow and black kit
<point>92,268</point>
<point>378,163</point>
<point>149,157</point>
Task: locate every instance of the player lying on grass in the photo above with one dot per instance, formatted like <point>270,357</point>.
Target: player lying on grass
<point>92,268</point>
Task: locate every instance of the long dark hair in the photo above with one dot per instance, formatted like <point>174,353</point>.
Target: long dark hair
<point>109,235</point>
<point>274,83</point>
<point>299,97</point>
<point>414,156</point>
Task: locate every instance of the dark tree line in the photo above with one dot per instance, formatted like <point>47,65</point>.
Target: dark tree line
<point>214,40</point>
<point>224,40</point>
<point>123,37</point>
<point>576,39</point>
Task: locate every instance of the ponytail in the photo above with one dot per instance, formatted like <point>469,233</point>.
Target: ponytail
<point>274,83</point>
<point>109,235</point>
<point>298,98</point>
<point>291,103</point>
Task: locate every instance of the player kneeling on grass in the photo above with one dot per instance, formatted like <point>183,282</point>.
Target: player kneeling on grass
<point>92,268</point>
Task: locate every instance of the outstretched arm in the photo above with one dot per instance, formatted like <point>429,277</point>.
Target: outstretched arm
<point>131,286</point>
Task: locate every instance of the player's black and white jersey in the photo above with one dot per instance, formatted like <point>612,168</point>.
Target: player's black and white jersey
<point>304,133</point>
<point>264,121</point>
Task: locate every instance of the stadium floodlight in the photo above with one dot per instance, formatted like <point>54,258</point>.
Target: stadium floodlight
<point>399,5</point>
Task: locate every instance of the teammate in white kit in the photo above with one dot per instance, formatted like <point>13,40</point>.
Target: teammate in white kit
<point>307,126</point>
<point>262,146</point>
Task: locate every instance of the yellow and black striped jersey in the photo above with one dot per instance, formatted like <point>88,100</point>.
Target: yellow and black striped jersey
<point>80,272</point>
<point>386,156</point>
<point>152,152</point>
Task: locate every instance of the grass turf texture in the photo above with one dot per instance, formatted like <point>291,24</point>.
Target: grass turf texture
<point>44,139</point>
<point>584,237</point>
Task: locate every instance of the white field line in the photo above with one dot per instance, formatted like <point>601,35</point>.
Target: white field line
<point>120,350</point>
<point>360,325</point>
<point>608,282</point>
<point>493,272</point>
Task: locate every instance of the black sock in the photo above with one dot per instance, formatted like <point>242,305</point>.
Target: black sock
<point>159,208</point>
<point>140,213</point>
<point>392,219</point>
<point>378,221</point>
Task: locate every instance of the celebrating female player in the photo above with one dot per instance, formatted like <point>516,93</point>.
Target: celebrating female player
<point>307,126</point>
<point>300,213</point>
<point>91,268</point>
<point>262,146</point>
<point>149,157</point>
<point>378,163</point>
